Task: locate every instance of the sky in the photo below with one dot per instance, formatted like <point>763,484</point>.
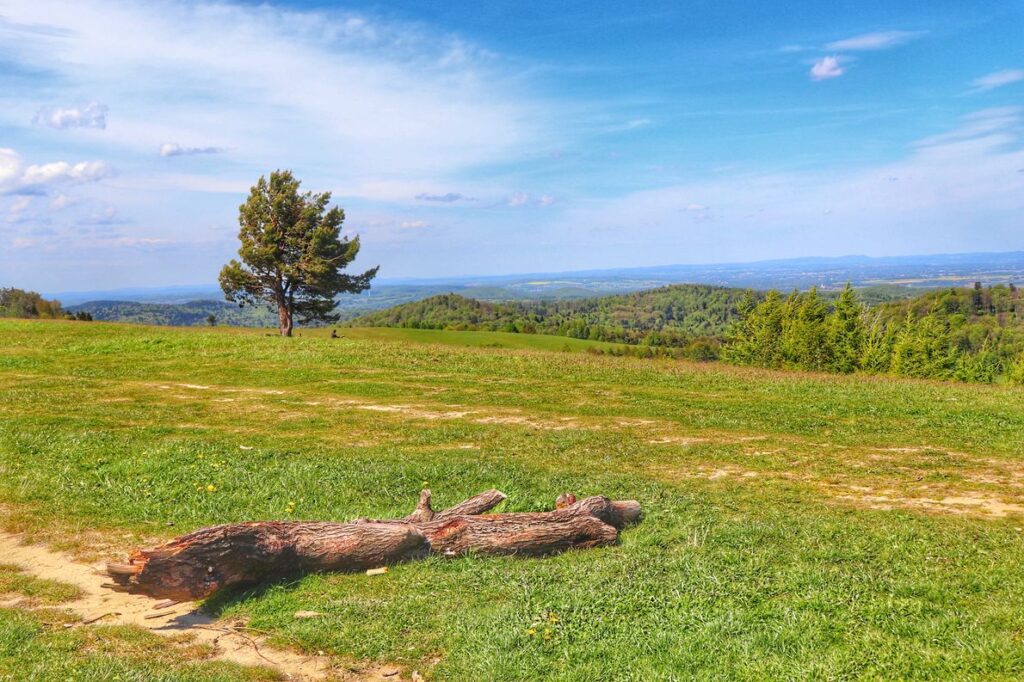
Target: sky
<point>469,138</point>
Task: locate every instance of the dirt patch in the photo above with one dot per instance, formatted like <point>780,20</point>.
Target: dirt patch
<point>522,420</point>
<point>965,503</point>
<point>409,410</point>
<point>707,473</point>
<point>103,606</point>
<point>717,439</point>
<point>679,440</point>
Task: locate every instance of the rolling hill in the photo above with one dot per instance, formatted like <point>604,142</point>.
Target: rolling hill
<point>663,316</point>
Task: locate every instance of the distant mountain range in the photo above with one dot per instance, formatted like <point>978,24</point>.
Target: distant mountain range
<point>881,273</point>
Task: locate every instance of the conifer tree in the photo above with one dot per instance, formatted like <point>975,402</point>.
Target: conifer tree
<point>846,331</point>
<point>292,253</point>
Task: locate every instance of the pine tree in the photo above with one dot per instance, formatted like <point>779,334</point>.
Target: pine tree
<point>847,332</point>
<point>292,254</point>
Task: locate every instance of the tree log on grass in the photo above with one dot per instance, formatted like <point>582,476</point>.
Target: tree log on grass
<point>197,565</point>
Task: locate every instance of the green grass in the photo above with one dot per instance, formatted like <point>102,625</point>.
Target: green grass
<point>798,526</point>
<point>37,646</point>
<point>467,339</point>
<point>38,591</point>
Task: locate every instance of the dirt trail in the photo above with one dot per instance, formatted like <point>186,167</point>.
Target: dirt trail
<point>103,606</point>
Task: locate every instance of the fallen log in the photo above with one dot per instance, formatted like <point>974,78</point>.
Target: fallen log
<point>197,565</point>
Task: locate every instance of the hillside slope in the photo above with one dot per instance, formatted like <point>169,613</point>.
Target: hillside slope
<point>191,314</point>
<point>666,315</point>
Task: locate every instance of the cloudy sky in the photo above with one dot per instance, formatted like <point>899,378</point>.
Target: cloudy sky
<point>501,137</point>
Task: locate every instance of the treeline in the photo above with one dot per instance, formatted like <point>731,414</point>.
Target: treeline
<point>30,304</point>
<point>671,316</point>
<point>193,313</point>
<point>972,334</point>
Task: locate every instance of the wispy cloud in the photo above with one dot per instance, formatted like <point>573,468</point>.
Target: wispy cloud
<point>105,215</point>
<point>15,212</point>
<point>413,224</point>
<point>879,40</point>
<point>826,68</point>
<point>518,199</point>
<point>447,198</point>
<point>61,201</point>
<point>997,79</point>
<point>92,115</point>
<point>948,185</point>
<point>415,103</point>
<point>174,149</point>
<point>545,200</point>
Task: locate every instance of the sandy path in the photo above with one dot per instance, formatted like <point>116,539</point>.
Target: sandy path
<point>105,606</point>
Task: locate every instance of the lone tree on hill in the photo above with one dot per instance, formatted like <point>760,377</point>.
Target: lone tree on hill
<point>292,253</point>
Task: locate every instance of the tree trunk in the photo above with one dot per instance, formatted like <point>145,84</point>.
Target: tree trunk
<point>197,565</point>
<point>284,317</point>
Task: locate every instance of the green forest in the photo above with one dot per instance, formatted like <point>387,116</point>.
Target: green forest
<point>191,314</point>
<point>30,304</point>
<point>968,334</point>
<point>667,316</point>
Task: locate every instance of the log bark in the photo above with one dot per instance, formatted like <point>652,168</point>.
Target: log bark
<point>197,565</point>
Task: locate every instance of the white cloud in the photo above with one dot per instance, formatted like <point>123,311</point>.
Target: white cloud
<point>446,198</point>
<point>61,201</point>
<point>998,79</point>
<point>174,149</point>
<point>413,224</point>
<point>825,68</point>
<point>20,204</point>
<point>17,208</point>
<point>545,200</point>
<point>62,171</point>
<point>123,242</point>
<point>367,98</point>
<point>92,115</point>
<point>15,177</point>
<point>879,40</point>
<point>105,215</point>
<point>518,199</point>
<point>10,168</point>
<point>696,207</point>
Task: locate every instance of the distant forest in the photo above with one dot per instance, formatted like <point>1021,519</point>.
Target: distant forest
<point>30,304</point>
<point>668,316</point>
<point>968,334</point>
<point>963,333</point>
<point>191,314</point>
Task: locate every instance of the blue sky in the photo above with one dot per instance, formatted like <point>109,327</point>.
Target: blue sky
<point>490,138</point>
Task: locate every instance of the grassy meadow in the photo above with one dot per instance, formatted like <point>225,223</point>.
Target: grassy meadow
<point>798,526</point>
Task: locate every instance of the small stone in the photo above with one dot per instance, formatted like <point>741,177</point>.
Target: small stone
<point>377,571</point>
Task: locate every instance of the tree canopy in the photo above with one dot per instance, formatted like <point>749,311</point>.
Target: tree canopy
<point>292,254</point>
<point>21,303</point>
<point>974,334</point>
